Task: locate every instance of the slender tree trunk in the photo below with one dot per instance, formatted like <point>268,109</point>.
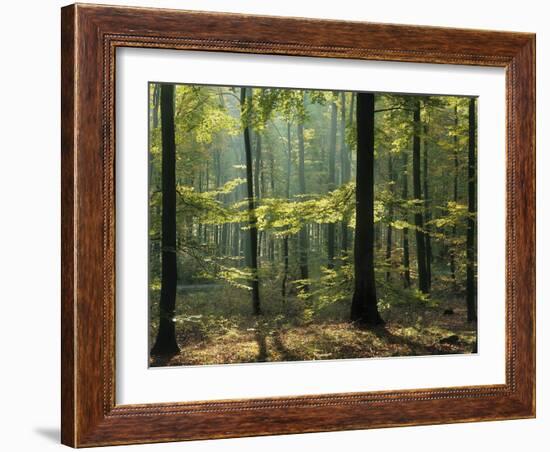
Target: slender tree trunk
<point>199,231</point>
<point>258,189</point>
<point>226,227</point>
<point>218,185</point>
<point>225,238</point>
<point>270,238</point>
<point>470,237</point>
<point>390,219</point>
<point>427,214</point>
<point>253,230</point>
<point>455,196</point>
<point>258,166</point>
<point>345,172</point>
<point>378,236</point>
<point>405,196</point>
<point>156,103</point>
<point>303,236</point>
<point>166,343</point>
<point>285,240</point>
<point>236,197</point>
<point>207,182</point>
<point>331,229</point>
<point>418,220</point>
<point>364,305</point>
<point>272,173</point>
<point>244,234</point>
<point>235,239</point>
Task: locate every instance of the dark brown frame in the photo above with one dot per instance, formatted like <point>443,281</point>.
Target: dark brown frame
<point>90,35</point>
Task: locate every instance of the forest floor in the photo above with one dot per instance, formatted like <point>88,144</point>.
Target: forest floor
<point>231,337</point>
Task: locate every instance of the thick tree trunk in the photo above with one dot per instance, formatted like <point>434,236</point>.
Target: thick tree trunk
<point>418,220</point>
<point>331,229</point>
<point>470,237</point>
<point>405,197</point>
<point>165,343</point>
<point>427,213</point>
<point>253,230</point>
<point>303,235</point>
<point>364,304</point>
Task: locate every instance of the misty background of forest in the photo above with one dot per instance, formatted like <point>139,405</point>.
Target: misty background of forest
<point>274,244</point>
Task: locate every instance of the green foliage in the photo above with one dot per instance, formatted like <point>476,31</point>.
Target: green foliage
<point>213,216</point>
<point>214,120</point>
<point>335,286</point>
<point>288,217</point>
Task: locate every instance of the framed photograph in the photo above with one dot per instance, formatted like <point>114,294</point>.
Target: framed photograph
<point>281,225</point>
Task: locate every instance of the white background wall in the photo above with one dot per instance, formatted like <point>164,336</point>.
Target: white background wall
<point>29,225</point>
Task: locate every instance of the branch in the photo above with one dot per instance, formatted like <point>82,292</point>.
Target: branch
<point>392,109</point>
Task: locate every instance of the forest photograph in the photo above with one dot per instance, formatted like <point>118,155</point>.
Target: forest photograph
<point>300,224</point>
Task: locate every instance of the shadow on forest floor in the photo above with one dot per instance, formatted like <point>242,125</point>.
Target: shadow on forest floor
<point>161,360</point>
<point>271,338</point>
<point>262,346</point>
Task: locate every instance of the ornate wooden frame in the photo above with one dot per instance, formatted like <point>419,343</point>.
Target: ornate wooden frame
<point>90,35</point>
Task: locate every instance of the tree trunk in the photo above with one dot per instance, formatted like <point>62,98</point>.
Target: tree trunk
<point>199,228</point>
<point>236,197</point>
<point>218,197</point>
<point>156,103</point>
<point>285,271</point>
<point>418,220</point>
<point>285,240</point>
<point>470,237</point>
<point>345,172</point>
<point>207,181</point>
<point>258,190</point>
<point>235,240</point>
<point>253,230</point>
<point>378,236</point>
<point>332,180</point>
<point>455,196</point>
<point>406,252</point>
<point>427,214</point>
<point>364,305</point>
<point>390,219</point>
<point>258,166</point>
<point>270,238</point>
<point>303,236</point>
<point>166,343</point>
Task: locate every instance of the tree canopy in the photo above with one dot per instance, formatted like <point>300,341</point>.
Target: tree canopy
<point>287,202</point>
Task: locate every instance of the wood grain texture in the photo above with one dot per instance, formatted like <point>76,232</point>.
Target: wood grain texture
<point>90,36</point>
<point>68,310</point>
